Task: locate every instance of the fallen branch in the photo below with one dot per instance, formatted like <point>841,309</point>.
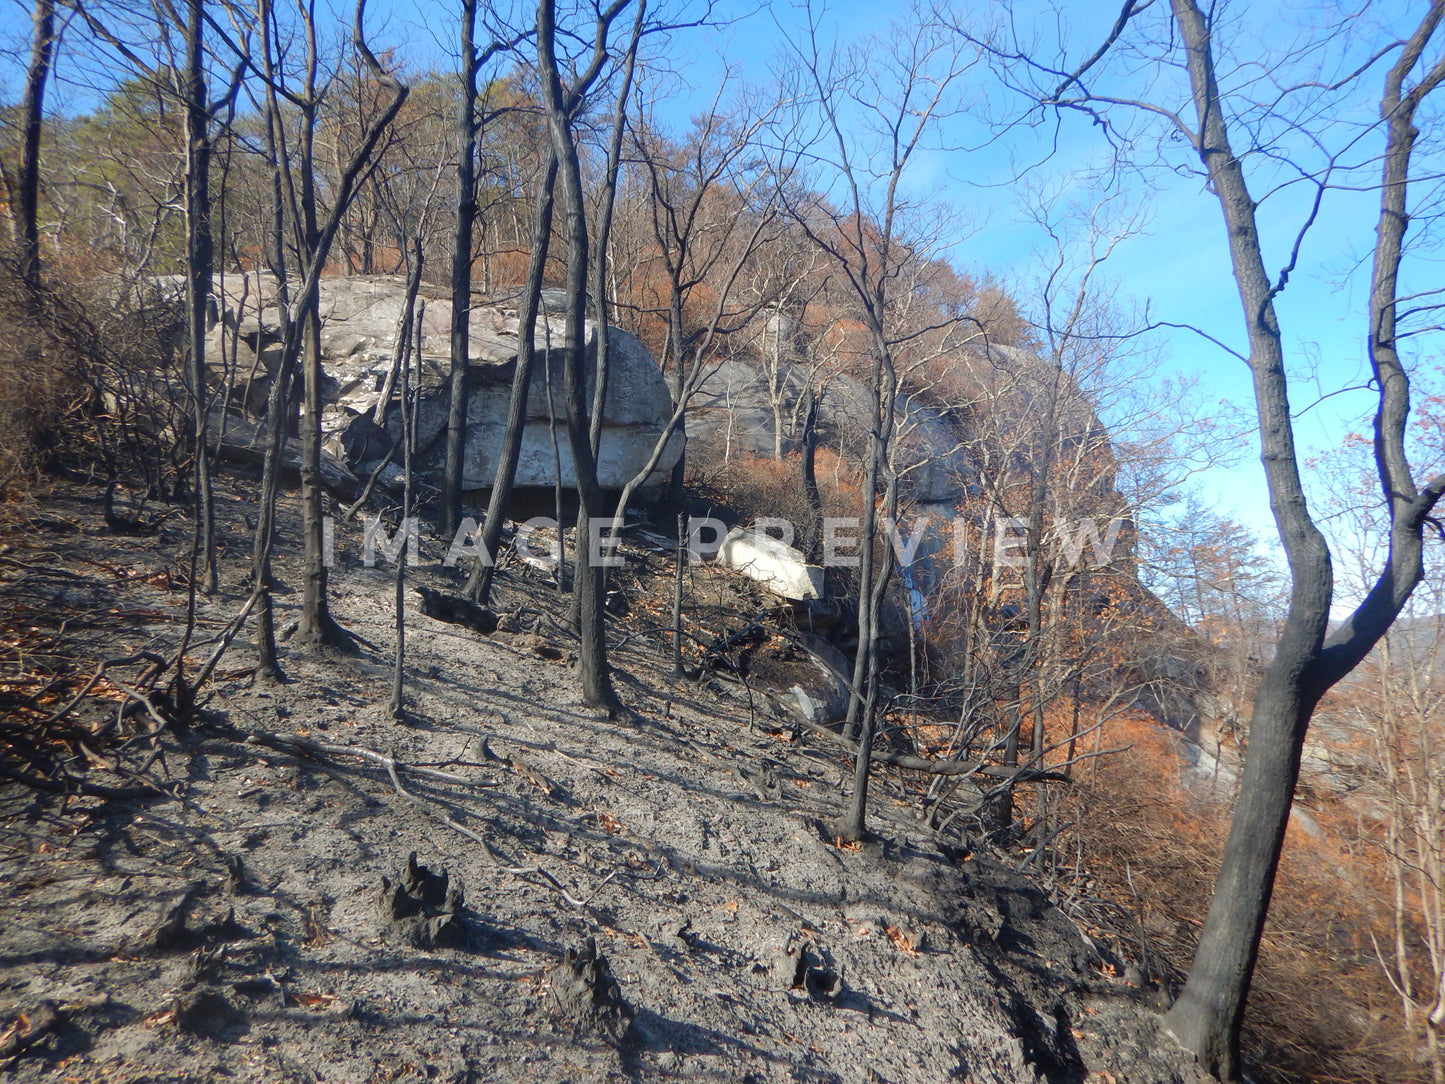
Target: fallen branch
<point>224,641</point>
<point>518,871</point>
<point>70,785</point>
<point>319,750</point>
<point>942,767</point>
<point>100,672</point>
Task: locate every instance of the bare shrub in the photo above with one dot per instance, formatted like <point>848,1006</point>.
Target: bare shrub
<point>89,382</point>
<point>1149,845</point>
<point>40,376</point>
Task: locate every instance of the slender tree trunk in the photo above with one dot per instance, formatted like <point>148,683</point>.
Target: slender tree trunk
<point>879,413</point>
<point>316,239</point>
<point>597,689</point>
<point>600,313</point>
<point>678,670</point>
<point>479,584</point>
<point>32,112</point>
<point>854,826</point>
<point>461,274</point>
<point>809,469</point>
<point>678,481</point>
<point>408,439</point>
<point>200,264</point>
<point>317,624</point>
<point>278,395</point>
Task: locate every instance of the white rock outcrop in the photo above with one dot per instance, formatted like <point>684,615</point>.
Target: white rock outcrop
<point>779,567</point>
<point>360,316</point>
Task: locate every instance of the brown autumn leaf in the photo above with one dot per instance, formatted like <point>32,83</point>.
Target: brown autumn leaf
<point>158,1019</point>
<point>606,821</point>
<point>902,940</point>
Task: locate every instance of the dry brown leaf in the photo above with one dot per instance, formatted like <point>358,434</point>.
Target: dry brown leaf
<point>316,1001</point>
<point>902,940</point>
<point>607,821</point>
<point>158,1019</point>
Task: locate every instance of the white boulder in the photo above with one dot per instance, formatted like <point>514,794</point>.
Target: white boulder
<point>779,567</point>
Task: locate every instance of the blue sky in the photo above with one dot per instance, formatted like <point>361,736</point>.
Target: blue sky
<point>1178,264</point>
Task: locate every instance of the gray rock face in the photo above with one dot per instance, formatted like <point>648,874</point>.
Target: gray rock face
<point>360,421</point>
<point>824,699</point>
<point>734,412</point>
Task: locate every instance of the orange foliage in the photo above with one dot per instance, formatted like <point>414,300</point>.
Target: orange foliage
<point>1152,841</point>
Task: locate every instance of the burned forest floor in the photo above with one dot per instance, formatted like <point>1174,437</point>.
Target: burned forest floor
<point>230,893</point>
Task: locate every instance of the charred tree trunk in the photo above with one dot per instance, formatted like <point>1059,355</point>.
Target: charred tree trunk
<point>461,274</point>
<point>854,825</point>
<point>678,670</point>
<point>597,689</point>
<point>317,625</point>
<point>200,262</point>
<point>479,584</point>
<point>278,396</point>
<point>880,421</point>
<point>408,440</point>
<point>810,474</point>
<point>600,313</point>
<point>32,113</point>
<point>1208,1014</point>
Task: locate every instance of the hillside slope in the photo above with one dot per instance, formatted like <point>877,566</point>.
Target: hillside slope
<point>232,930</point>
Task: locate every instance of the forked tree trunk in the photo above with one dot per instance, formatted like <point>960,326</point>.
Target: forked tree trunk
<point>1208,1014</point>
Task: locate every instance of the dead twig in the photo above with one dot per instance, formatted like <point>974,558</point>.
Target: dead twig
<point>70,785</point>
<point>320,750</point>
<point>942,767</point>
<point>517,871</point>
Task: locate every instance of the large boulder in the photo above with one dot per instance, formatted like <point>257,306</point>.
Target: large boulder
<point>779,567</point>
<point>361,421</point>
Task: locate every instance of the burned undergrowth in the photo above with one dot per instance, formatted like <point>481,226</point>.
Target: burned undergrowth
<point>246,886</point>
